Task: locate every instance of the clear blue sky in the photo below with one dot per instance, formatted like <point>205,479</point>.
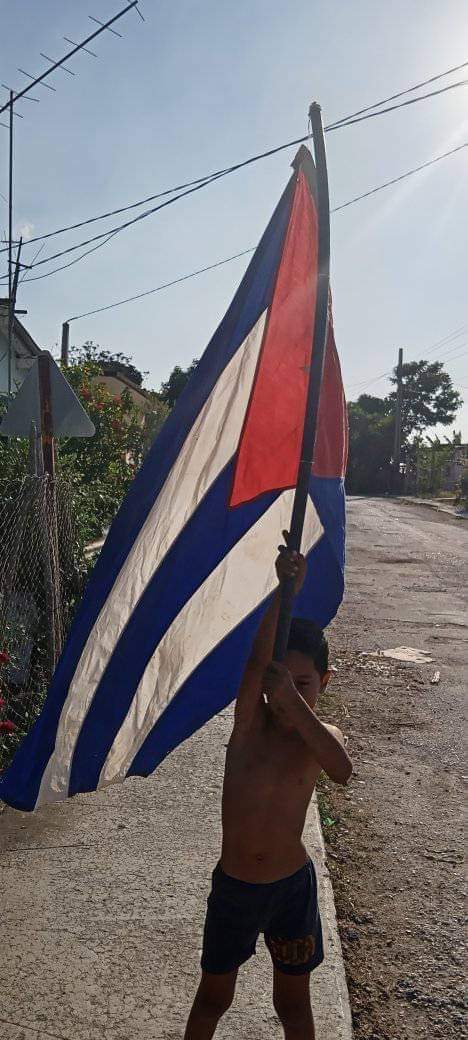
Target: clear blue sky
<point>199,85</point>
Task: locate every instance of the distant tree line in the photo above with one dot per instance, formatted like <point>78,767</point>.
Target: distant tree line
<point>429,399</point>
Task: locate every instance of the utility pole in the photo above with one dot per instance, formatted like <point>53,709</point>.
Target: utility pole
<point>13,289</point>
<point>11,305</point>
<point>50,527</point>
<point>64,354</point>
<point>398,419</point>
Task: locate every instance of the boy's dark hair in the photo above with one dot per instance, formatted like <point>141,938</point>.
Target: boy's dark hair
<point>306,637</point>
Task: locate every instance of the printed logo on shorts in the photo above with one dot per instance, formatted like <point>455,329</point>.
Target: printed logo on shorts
<point>292,951</point>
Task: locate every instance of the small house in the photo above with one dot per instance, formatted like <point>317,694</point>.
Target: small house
<point>24,351</point>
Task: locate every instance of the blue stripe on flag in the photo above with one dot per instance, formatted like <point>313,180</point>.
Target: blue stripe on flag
<point>208,537</point>
<point>323,589</point>
<point>214,684</point>
<point>208,690</point>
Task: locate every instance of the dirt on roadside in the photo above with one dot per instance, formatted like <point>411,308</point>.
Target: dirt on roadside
<point>394,835</point>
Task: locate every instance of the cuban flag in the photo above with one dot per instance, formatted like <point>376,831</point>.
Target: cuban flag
<point>164,631</point>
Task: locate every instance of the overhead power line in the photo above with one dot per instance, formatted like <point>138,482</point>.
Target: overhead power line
<point>363,383</point>
<point>121,227</point>
<point>401,177</point>
<point>460,331</point>
<point>455,334</point>
<point>107,235</point>
<point>63,267</point>
<point>245,252</point>
<point>209,177</point>
<point>345,120</point>
<point>408,90</point>
<point>165,285</point>
<point>121,209</point>
<point>336,209</point>
<point>401,104</point>
<point>457,356</point>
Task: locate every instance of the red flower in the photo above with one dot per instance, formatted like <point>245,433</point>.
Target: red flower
<point>100,406</point>
<point>2,702</point>
<point>86,394</point>
<point>4,657</point>
<point>7,726</point>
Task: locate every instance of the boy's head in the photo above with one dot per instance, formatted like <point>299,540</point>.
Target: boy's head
<point>307,659</point>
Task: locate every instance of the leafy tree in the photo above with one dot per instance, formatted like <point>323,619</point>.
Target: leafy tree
<point>178,379</point>
<point>375,405</point>
<point>14,452</point>
<point>370,446</point>
<point>429,397</point>
<point>109,362</point>
<point>101,468</point>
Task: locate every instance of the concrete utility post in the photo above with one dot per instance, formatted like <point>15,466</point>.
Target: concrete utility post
<point>398,418</point>
<point>11,304</point>
<point>65,344</point>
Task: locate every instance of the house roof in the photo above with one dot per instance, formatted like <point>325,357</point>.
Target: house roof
<point>21,333</point>
<point>115,373</point>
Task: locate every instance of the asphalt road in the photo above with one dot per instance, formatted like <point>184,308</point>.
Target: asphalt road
<point>397,845</point>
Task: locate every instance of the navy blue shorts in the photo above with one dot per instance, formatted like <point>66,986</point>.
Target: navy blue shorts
<point>286,911</point>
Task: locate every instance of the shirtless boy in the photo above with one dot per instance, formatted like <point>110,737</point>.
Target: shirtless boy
<point>265,881</point>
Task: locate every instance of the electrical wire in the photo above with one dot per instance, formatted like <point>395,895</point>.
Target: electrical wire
<point>63,267</point>
<point>122,209</point>
<point>336,209</point>
<point>209,267</point>
<point>114,231</point>
<point>169,191</point>
<point>166,285</point>
<point>434,347</point>
<point>368,382</point>
<point>338,124</point>
<point>401,104</point>
<point>36,254</point>
<point>457,356</point>
<point>408,90</point>
<point>447,358</point>
<point>402,177</point>
<point>460,331</point>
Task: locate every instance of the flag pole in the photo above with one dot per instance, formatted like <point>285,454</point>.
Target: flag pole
<point>319,340</point>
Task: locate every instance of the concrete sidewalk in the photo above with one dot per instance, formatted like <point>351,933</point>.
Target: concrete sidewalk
<point>433,503</point>
<point>103,901</point>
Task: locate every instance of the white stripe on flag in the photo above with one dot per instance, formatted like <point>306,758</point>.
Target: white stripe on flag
<point>242,580</point>
<point>210,444</point>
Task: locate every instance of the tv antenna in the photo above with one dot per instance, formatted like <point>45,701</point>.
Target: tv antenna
<point>24,94</point>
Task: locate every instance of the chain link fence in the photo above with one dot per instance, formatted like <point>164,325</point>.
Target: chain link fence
<point>42,574</point>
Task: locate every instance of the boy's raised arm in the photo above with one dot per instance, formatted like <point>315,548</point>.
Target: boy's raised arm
<point>288,564</point>
<point>285,700</point>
